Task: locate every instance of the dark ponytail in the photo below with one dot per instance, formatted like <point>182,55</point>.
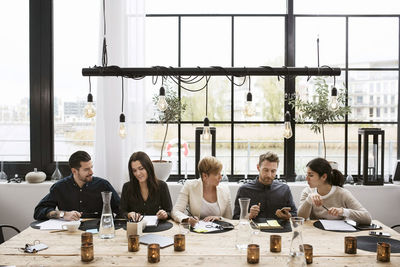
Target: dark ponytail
<point>322,166</point>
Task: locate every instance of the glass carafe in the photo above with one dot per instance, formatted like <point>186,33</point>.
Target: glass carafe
<point>244,231</point>
<point>296,255</point>
<point>56,174</point>
<point>106,222</point>
<point>3,175</point>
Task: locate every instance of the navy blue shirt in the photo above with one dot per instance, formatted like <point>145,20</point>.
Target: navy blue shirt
<point>272,197</point>
<point>67,195</point>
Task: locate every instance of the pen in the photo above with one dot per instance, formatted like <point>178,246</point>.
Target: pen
<point>190,214</point>
<point>325,207</point>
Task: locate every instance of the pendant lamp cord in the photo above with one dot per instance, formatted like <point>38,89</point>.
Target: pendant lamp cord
<point>104,54</point>
<point>122,104</point>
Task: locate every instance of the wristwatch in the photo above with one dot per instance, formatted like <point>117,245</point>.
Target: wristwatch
<point>61,214</point>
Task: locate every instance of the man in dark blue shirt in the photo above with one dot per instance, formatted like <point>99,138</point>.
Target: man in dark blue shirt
<point>267,196</point>
<point>78,194</point>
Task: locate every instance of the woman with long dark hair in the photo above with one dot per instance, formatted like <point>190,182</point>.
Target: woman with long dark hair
<point>325,198</point>
<point>144,194</point>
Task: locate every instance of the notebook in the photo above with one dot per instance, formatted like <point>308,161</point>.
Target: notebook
<point>163,241</point>
<point>270,224</point>
<point>151,221</point>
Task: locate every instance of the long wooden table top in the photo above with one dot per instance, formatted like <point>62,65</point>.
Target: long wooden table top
<point>201,249</point>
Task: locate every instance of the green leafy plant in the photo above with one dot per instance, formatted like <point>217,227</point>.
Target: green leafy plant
<point>319,111</point>
<point>172,114</point>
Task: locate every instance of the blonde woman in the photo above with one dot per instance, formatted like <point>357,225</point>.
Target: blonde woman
<point>204,198</point>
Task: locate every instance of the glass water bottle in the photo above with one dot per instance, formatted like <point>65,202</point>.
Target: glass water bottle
<point>296,255</point>
<point>106,230</point>
<point>244,231</point>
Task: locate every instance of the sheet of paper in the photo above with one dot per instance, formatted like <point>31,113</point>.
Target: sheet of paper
<point>151,220</point>
<point>52,224</point>
<point>337,225</point>
<point>204,227</point>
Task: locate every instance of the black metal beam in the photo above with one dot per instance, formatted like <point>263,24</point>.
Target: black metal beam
<point>212,71</point>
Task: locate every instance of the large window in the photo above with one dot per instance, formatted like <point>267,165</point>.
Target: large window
<point>14,81</point>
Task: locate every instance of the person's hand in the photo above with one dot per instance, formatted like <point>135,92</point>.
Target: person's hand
<point>335,211</point>
<point>283,213</point>
<point>211,218</point>
<point>316,199</point>
<point>193,221</point>
<point>162,215</point>
<point>254,210</point>
<point>134,216</point>
<point>72,215</point>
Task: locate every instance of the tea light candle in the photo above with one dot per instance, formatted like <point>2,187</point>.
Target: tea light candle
<point>308,252</point>
<point>383,252</point>
<point>86,238</point>
<point>350,245</point>
<point>275,243</point>
<point>153,253</point>
<point>133,243</point>
<point>179,242</point>
<point>253,253</point>
<point>87,252</point>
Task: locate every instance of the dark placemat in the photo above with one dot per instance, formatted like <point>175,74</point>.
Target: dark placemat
<point>368,243</point>
<point>226,226</point>
<point>319,225</point>
<point>34,224</point>
<point>286,225</point>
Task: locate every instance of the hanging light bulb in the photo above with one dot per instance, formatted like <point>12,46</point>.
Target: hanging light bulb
<point>206,135</point>
<point>334,104</point>
<point>287,133</point>
<point>89,110</point>
<point>122,128</point>
<point>249,109</point>
<point>162,103</point>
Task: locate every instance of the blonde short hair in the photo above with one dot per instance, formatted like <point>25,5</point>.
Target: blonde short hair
<point>209,165</point>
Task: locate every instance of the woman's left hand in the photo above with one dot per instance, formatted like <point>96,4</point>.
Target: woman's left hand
<point>162,215</point>
<point>336,211</point>
<point>211,218</point>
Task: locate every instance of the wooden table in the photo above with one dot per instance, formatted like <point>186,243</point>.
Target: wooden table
<point>201,249</point>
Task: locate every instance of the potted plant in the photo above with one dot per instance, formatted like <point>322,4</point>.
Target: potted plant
<point>162,167</point>
<point>320,111</point>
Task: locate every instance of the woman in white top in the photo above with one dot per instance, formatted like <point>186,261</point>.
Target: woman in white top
<point>205,198</point>
<point>325,198</point>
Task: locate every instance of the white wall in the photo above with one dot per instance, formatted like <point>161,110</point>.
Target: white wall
<point>17,201</point>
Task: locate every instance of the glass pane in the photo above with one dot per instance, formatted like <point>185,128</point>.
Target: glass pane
<point>215,7</point>
<point>373,95</point>
<point>219,100</point>
<point>332,42</point>
<point>267,98</point>
<point>161,42</point>
<point>310,145</point>
<point>373,42</point>
<point>252,140</point>
<point>253,43</point>
<point>390,147</point>
<point>154,138</point>
<point>206,41</point>
<point>346,7</point>
<point>72,131</point>
<point>14,81</point>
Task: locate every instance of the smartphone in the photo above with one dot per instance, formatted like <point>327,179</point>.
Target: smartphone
<point>379,233</point>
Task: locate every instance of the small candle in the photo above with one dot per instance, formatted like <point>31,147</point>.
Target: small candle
<point>133,243</point>
<point>275,243</point>
<point>308,252</point>
<point>179,242</point>
<point>86,238</point>
<point>383,252</point>
<point>350,245</point>
<point>87,252</point>
<point>153,253</point>
<point>253,253</point>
